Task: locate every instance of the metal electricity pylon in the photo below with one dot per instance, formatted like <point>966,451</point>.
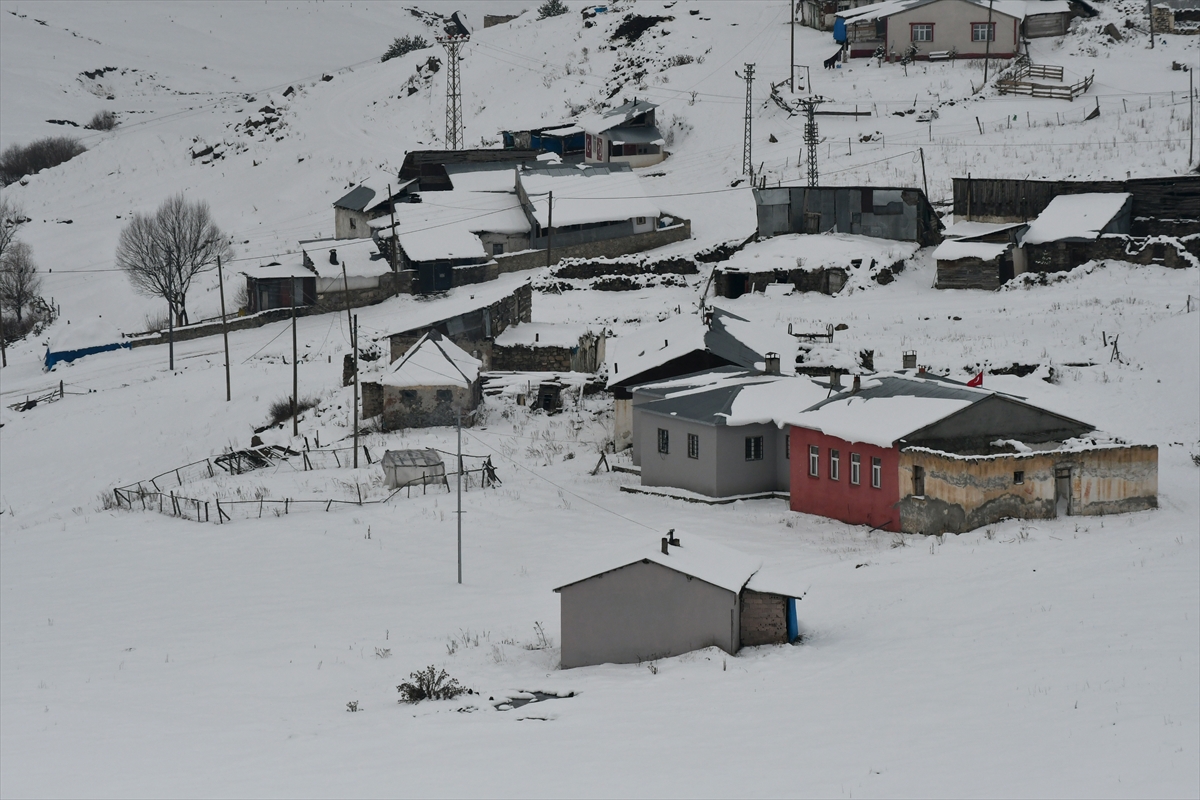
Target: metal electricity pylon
<point>747,159</point>
<point>810,134</point>
<point>454,115</point>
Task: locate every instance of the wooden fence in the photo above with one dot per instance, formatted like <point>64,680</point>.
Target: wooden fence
<point>1018,85</point>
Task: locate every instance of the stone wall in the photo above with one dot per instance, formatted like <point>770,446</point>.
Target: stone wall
<point>525,358</point>
<point>967,492</point>
<point>764,618</point>
<point>1165,251</point>
<point>424,406</point>
<point>968,273</point>
<point>605,248</point>
<point>471,335</point>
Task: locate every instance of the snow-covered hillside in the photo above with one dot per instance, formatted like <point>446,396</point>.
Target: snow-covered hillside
<point>142,655</point>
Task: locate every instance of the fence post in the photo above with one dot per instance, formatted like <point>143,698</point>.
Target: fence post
<point>219,520</point>
<point>210,469</point>
<point>260,507</point>
<point>286,502</point>
<point>327,505</point>
<point>206,511</point>
<point>335,458</point>
<point>367,453</point>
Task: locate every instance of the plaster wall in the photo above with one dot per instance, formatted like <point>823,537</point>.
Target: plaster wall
<point>860,504</point>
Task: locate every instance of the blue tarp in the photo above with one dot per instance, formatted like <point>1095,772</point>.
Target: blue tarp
<point>793,624</point>
<point>839,30</point>
<point>55,356</point>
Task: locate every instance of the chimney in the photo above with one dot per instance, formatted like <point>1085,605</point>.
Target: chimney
<point>672,539</point>
<point>772,364</point>
<point>835,379</point>
<point>921,370</point>
<point>910,359</point>
<point>665,542</point>
<point>857,385</point>
<point>332,256</point>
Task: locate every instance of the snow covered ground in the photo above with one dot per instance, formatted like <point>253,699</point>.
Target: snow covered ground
<point>142,655</point>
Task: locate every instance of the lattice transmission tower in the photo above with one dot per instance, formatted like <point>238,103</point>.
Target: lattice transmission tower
<point>747,158</point>
<point>811,139</point>
<point>454,116</point>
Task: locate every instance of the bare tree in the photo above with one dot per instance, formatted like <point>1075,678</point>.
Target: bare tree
<point>12,217</point>
<point>162,252</point>
<point>19,279</point>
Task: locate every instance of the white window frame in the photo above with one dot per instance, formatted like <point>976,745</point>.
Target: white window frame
<point>693,443</point>
<point>835,465</point>
<point>876,472</point>
<point>982,26</point>
<point>855,468</point>
<point>664,441</point>
<point>923,27</point>
<point>814,461</point>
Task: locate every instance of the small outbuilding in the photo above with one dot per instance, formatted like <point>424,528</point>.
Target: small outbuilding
<point>402,468</point>
<point>1066,233</point>
<point>434,381</point>
<point>681,596</point>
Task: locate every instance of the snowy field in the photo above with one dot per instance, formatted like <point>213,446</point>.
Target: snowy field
<point>142,655</point>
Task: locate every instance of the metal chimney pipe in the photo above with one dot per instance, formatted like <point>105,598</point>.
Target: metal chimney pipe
<point>664,546</point>
<point>857,385</point>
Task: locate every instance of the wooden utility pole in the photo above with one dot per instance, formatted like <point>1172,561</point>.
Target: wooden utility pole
<point>792,60</point>
<point>987,49</point>
<point>1191,119</point>
<point>224,329</point>
<point>3,350</point>
<point>924,182</point>
<point>349,317</point>
<point>459,512</point>
<point>549,230</point>
<point>392,253</point>
<point>171,336</point>
<point>295,365</point>
<point>354,338</point>
<point>1150,20</point>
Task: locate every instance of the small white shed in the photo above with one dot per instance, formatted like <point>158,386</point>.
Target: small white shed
<point>412,468</point>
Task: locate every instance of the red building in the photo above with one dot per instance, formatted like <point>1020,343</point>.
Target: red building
<point>853,482</point>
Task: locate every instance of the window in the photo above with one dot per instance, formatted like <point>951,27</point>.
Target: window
<point>1019,476</point>
<point>814,460</point>
<point>835,465</point>
<point>693,446</point>
<point>921,31</point>
<point>664,441</point>
<point>855,468</point>
<point>983,31</point>
<point>787,447</point>
<point>353,224</point>
<point>918,488</point>
<point>754,448</point>
<point>497,248</point>
<point>876,472</point>
<point>641,220</point>
<point>444,395</point>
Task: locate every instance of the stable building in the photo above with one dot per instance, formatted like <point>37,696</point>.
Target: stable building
<point>685,594</point>
<point>431,385</point>
<point>924,454</point>
<point>979,255</point>
<point>884,212</point>
<point>1065,234</point>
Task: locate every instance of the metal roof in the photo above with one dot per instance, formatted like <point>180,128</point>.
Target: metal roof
<point>356,199</point>
<point>702,407</point>
<point>928,385</point>
<point>411,458</point>
<point>634,135</point>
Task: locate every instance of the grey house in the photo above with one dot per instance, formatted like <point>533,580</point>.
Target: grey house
<point>682,596</point>
<point>724,440</point>
<point>885,212</point>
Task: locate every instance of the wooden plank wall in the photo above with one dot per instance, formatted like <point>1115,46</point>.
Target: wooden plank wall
<point>1017,200</point>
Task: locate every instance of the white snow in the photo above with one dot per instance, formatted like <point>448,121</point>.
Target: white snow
<point>954,250</point>
<point>433,361</point>
<point>542,334</point>
<point>775,401</point>
<point>967,229</point>
<point>880,421</point>
<point>794,250</point>
<point>584,197</point>
<point>1075,216</point>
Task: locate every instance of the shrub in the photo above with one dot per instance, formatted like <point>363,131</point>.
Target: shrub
<point>103,121</point>
<point>430,683</point>
<point>282,409</point>
<point>17,161</point>
<point>403,45</point>
<point>552,8</point>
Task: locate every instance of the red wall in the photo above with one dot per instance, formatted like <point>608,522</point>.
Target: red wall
<point>859,505</point>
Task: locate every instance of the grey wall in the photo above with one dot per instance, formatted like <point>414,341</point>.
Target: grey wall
<point>736,475</point>
<point>901,214</point>
<point>644,611</point>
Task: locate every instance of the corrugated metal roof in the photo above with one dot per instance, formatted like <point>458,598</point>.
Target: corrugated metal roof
<point>702,407</point>
<point>356,199</point>
<point>411,458</point>
<point>903,386</point>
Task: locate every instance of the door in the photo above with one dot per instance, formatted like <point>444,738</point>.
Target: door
<point>1062,491</point>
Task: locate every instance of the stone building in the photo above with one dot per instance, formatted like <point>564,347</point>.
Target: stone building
<point>545,347</point>
<point>429,386</point>
<point>684,595</point>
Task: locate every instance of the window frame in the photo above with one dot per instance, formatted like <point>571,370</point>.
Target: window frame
<point>814,461</point>
<point>497,248</point>
<point>923,26</point>
<point>754,448</point>
<point>787,447</point>
<point>974,25</point>
<point>1018,477</point>
<point>855,469</point>
<point>835,464</point>
<point>918,480</point>
<point>693,445</point>
<point>664,441</point>
<point>876,472</point>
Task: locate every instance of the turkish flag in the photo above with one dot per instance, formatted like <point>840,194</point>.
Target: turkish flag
<point>976,381</point>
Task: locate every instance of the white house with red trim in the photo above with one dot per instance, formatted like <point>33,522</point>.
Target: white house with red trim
<point>626,134</point>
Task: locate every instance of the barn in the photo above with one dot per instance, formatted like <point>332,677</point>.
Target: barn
<point>684,595</point>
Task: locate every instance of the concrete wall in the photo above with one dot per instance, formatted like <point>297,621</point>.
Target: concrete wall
<point>425,406</point>
<point>721,469</point>
<point>644,611</point>
<point>349,224</point>
<point>967,492</point>
<point>764,619</point>
<point>952,29</point>
<point>510,242</point>
<point>860,504</point>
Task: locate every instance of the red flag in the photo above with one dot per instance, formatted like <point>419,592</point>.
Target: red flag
<point>976,381</point>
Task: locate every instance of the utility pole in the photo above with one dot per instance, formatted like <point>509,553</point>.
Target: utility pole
<point>392,252</point>
<point>3,350</point>
<point>987,48</point>
<point>295,365</point>
<point>792,59</point>
<point>549,225</point>
<point>747,160</point>
<point>1191,118</point>
<point>355,339</point>
<point>811,139</point>
<point>454,116</point>
<point>171,336</point>
<point>924,182</point>
<point>224,329</point>
<point>459,512</point>
<point>1150,20</point>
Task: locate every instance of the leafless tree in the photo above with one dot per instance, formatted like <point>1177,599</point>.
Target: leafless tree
<point>19,279</point>
<point>11,220</point>
<point>162,252</point>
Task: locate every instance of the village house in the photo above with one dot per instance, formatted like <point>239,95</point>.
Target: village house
<point>924,454</point>
<point>719,433</point>
<point>626,134</point>
<point>321,274</point>
<point>565,139</point>
<point>430,385</point>
<point>936,28</point>
<point>353,211</point>
<point>903,214</point>
<point>822,14</point>
<point>685,594</point>
<point>979,255</point>
<point>685,344</point>
<point>1064,235</point>
<point>548,347</point>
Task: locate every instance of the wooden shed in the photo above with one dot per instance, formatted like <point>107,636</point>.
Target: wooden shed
<point>681,596</point>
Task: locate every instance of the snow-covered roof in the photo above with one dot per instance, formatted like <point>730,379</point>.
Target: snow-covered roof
<point>358,256</point>
<point>294,268</point>
<point>775,401</point>
<point>79,333</point>
<point>1075,216</point>
<point>887,408</point>
<point>542,334</point>
<point>411,458</point>
<point>372,190</point>
<point>970,229</point>
<point>422,313</point>
<point>599,123</point>
<point>585,195</point>
<point>697,381</point>
<point>953,250</point>
<point>1011,8</point>
<point>446,224</point>
<point>792,250</point>
<point>434,361</point>
<point>713,563</point>
<point>636,135</point>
